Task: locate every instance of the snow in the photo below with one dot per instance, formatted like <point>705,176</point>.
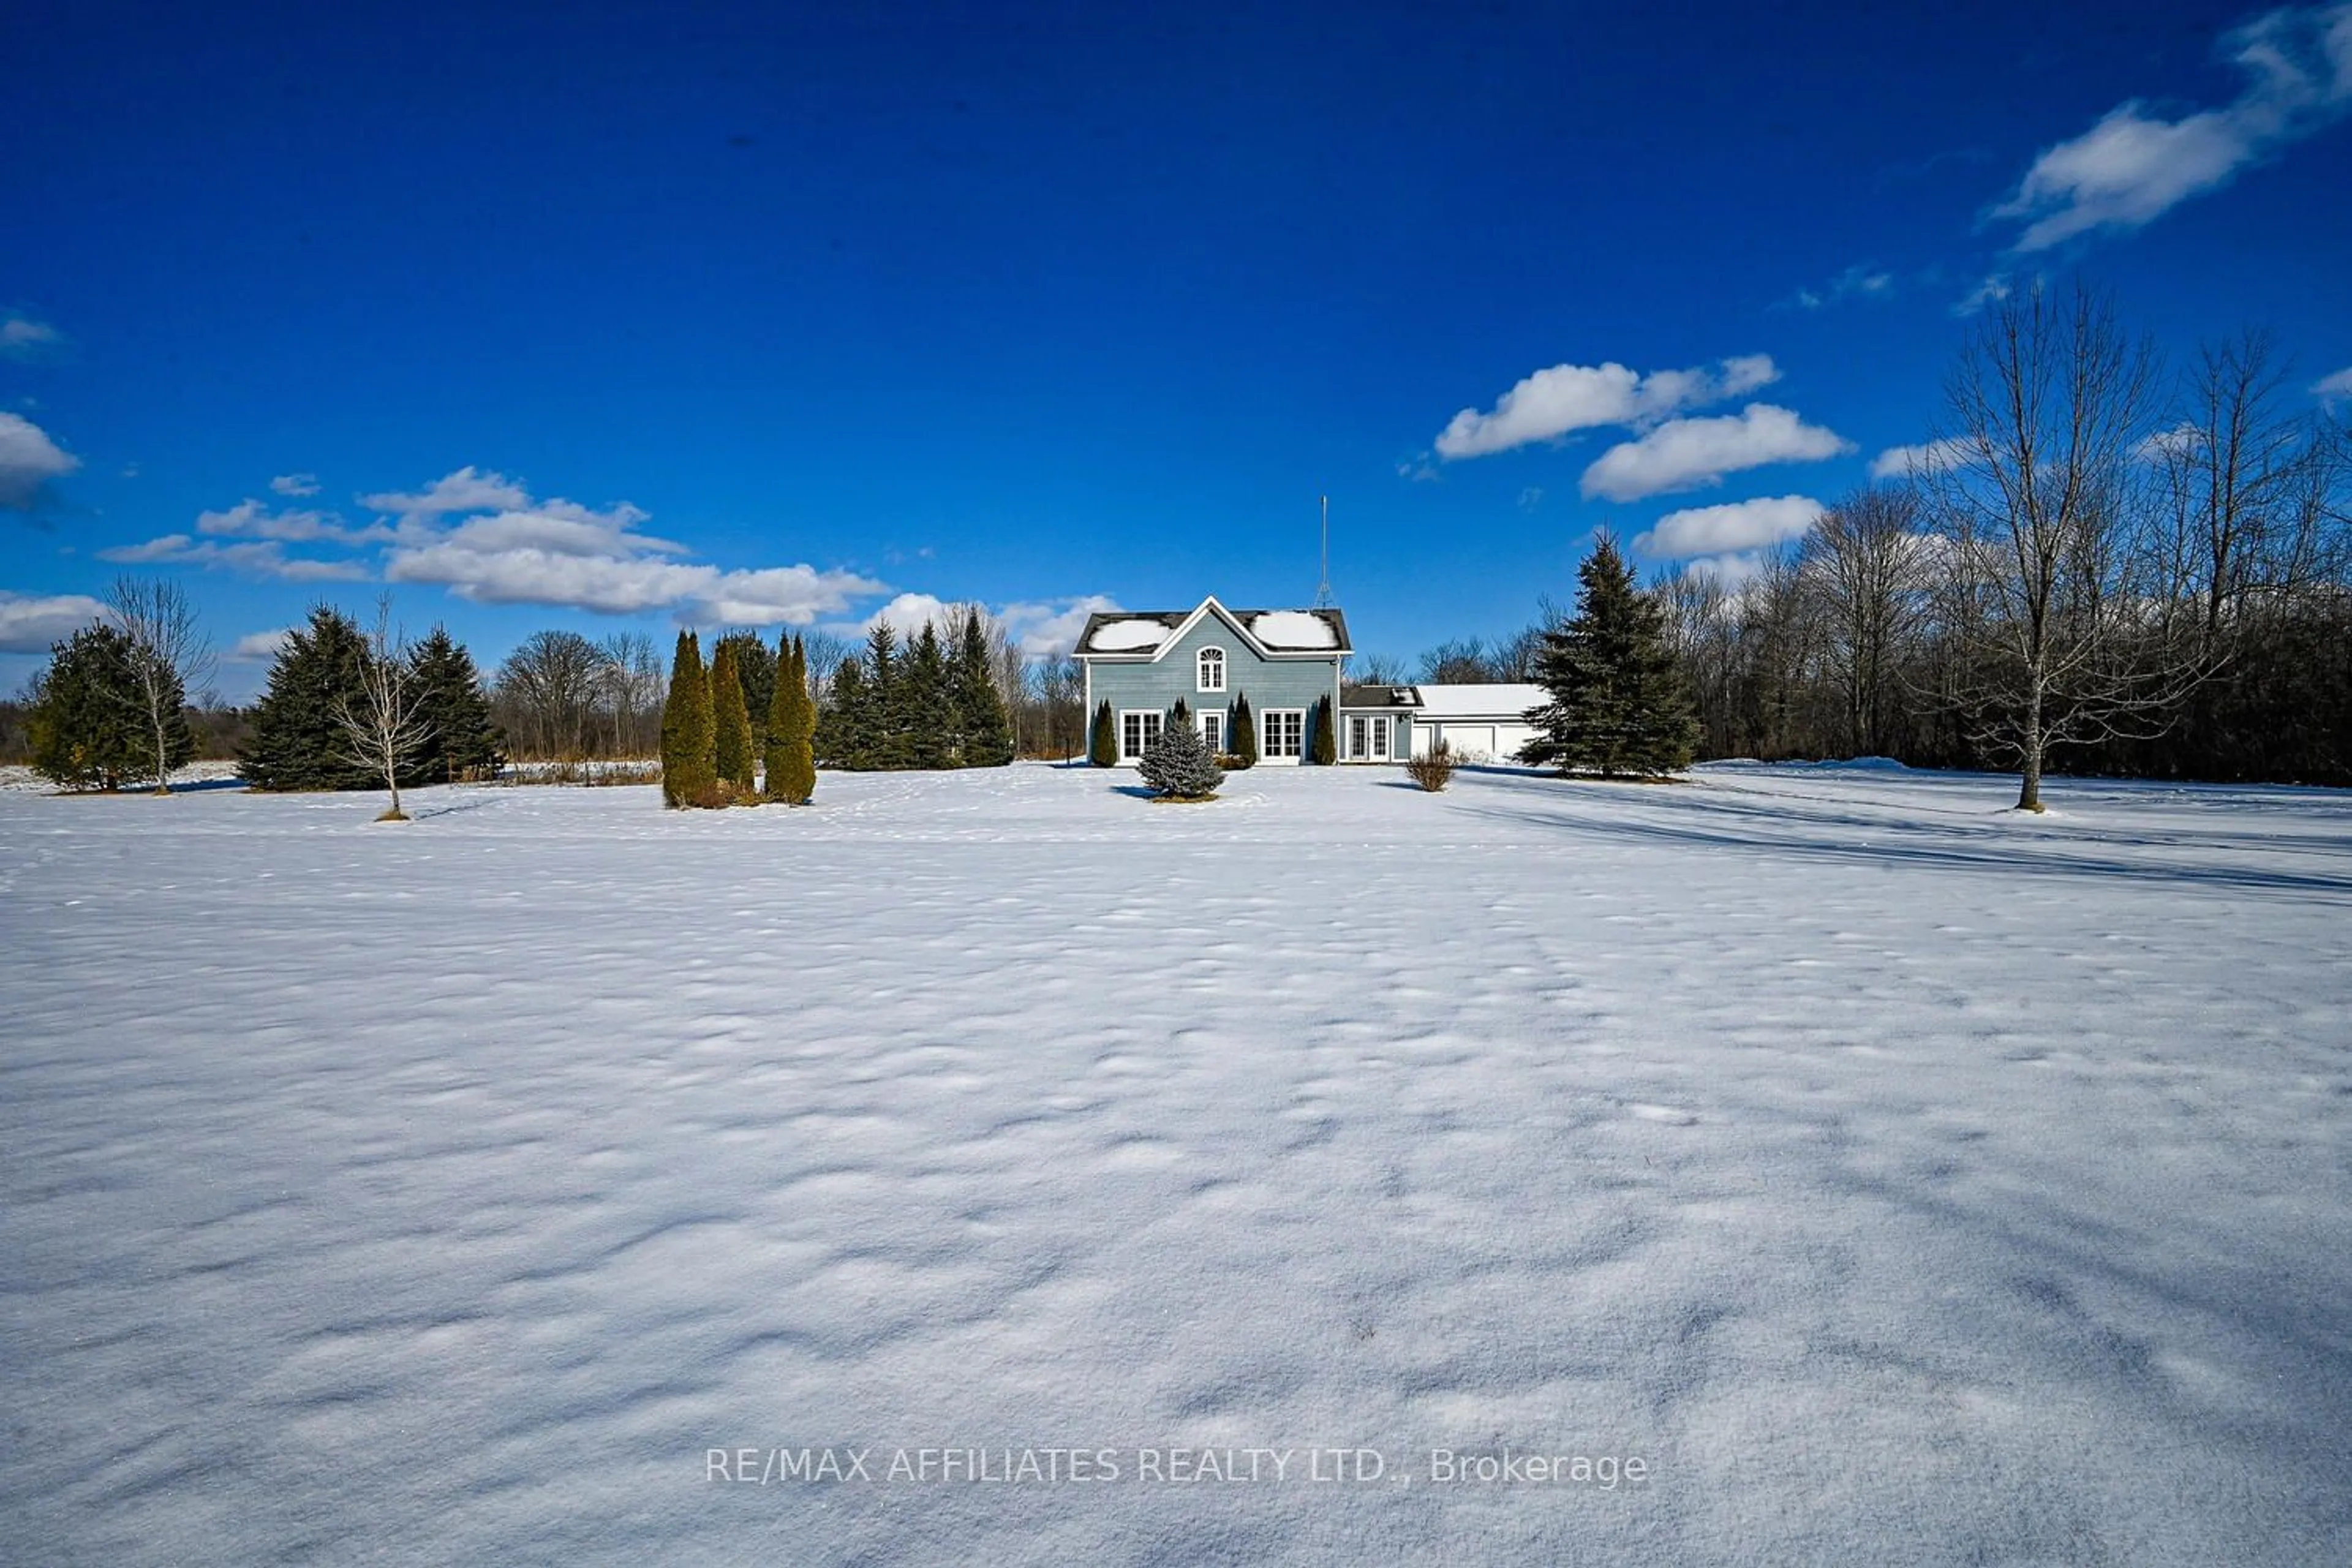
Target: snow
<point>1292,629</point>
<point>1127,636</point>
<point>1898,1177</point>
<point>1503,700</point>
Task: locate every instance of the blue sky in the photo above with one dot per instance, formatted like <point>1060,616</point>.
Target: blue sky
<point>620,317</point>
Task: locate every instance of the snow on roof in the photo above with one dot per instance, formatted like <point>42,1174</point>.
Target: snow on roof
<point>1494,701</point>
<point>1292,628</point>
<point>1127,636</point>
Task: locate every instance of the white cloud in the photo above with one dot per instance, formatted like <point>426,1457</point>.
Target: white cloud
<point>252,520</point>
<point>463,492</point>
<point>30,622</point>
<point>29,459</point>
<point>1927,457</point>
<point>262,557</point>
<point>1567,397</point>
<point>22,337</point>
<point>260,648</point>
<point>296,484</point>
<point>1994,289</point>
<point>1862,281</point>
<point>909,612</point>
<point>1733,570</point>
<point>1733,526</point>
<point>2332,387</point>
<point>1043,628</point>
<point>519,550</point>
<point>1691,454</point>
<point>2132,166</point>
<point>2184,439</point>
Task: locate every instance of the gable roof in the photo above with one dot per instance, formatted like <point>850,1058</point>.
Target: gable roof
<point>1500,699</point>
<point>1144,637</point>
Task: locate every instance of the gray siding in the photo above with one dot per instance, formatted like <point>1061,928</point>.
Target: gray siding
<point>1268,683</point>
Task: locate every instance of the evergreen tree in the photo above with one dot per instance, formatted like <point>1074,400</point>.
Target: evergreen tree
<point>88,722</point>
<point>791,728</point>
<point>845,724</point>
<point>888,728</point>
<point>927,703</point>
<point>689,741</point>
<point>755,671</point>
<point>1102,745</point>
<point>1327,734</point>
<point>1178,767</point>
<point>1243,743</point>
<point>983,728</point>
<point>730,722</point>
<point>1180,715</point>
<point>1619,704</point>
<point>298,739</point>
<point>466,742</point>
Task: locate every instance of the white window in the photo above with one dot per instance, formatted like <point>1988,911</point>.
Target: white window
<point>1285,729</point>
<point>1212,731</point>
<point>1212,670</point>
<point>1381,739</point>
<point>1137,728</point>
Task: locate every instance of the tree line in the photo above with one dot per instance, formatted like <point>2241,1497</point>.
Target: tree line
<point>2094,564</point>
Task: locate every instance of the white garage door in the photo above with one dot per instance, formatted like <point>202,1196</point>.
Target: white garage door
<point>1471,739</point>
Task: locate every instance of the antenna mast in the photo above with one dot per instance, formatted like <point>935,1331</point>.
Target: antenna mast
<point>1323,588</point>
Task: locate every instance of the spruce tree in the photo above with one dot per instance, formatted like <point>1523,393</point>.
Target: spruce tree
<point>791,729</point>
<point>928,705</point>
<point>1243,743</point>
<point>1327,734</point>
<point>689,743</point>
<point>87,721</point>
<point>889,729</point>
<point>755,672</point>
<point>845,724</point>
<point>1177,764</point>
<point>731,750</point>
<point>984,729</point>
<point>1619,704</point>
<point>466,741</point>
<point>298,739</point>
<point>1102,744</point>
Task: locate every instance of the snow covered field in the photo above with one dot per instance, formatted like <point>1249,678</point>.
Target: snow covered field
<point>1896,1179</point>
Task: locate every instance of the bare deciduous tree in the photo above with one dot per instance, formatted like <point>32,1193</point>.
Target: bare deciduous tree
<point>629,680</point>
<point>548,685</point>
<point>383,729</point>
<point>172,659</point>
<point>1866,560</point>
<point>2044,535</point>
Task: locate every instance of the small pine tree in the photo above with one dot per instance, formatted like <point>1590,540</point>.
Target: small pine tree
<point>1178,767</point>
<point>983,728</point>
<point>298,739</point>
<point>791,728</point>
<point>689,742</point>
<point>465,740</point>
<point>1244,742</point>
<point>1619,704</point>
<point>730,745</point>
<point>1102,742</point>
<point>87,717</point>
<point>1327,734</point>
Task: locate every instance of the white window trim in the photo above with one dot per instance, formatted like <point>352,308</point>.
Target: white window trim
<point>1157,717</point>
<point>1378,743</point>
<point>1265,752</point>
<point>1208,717</point>
<point>1201,668</point>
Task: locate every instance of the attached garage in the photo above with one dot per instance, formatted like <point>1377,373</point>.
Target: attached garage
<point>1484,723</point>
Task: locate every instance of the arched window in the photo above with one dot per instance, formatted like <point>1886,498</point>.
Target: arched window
<point>1212,670</point>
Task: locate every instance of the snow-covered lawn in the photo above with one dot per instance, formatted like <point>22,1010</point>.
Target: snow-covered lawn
<point>1899,1180</point>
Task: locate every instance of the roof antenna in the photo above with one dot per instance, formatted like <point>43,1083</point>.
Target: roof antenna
<point>1323,590</point>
